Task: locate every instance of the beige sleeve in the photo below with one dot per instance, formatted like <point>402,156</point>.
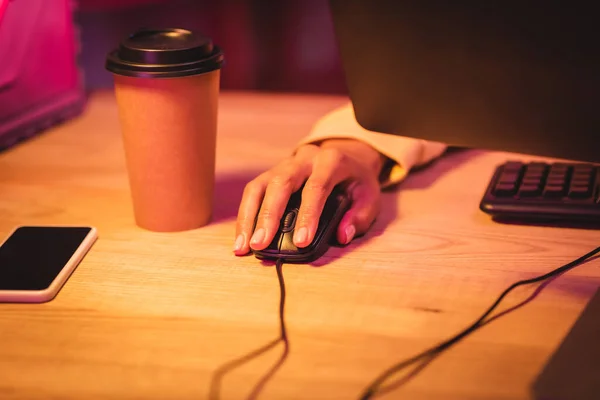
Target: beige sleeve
<point>404,152</point>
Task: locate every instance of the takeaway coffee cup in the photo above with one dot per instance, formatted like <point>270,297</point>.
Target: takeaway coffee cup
<point>167,88</point>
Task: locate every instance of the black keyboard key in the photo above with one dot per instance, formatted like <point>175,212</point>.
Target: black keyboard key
<point>585,177</point>
<point>559,170</point>
<point>583,168</point>
<point>513,166</point>
<point>533,177</point>
<point>537,167</point>
<point>530,181</point>
<point>581,182</point>
<point>580,192</point>
<point>509,177</point>
<point>529,190</point>
<point>555,181</point>
<point>505,189</point>
<point>556,178</point>
<point>554,191</point>
<point>535,171</point>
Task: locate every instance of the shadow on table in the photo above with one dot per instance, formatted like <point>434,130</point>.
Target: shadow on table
<point>573,369</point>
<point>228,194</point>
<point>420,178</point>
<point>572,224</point>
<point>215,385</point>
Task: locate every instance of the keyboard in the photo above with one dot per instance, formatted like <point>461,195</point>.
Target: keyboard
<point>544,191</point>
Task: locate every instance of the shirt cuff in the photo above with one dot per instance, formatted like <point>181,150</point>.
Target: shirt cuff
<point>403,152</point>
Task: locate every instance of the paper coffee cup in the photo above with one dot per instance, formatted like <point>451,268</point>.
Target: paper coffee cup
<point>167,88</point>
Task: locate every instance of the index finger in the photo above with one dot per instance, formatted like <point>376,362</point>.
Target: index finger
<point>249,206</point>
<point>329,169</point>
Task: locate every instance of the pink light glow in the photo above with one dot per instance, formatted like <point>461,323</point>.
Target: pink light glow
<point>3,5</point>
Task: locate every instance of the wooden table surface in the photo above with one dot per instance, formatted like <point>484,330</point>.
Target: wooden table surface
<point>155,315</point>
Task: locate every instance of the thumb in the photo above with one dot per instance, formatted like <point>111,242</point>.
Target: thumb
<point>362,213</point>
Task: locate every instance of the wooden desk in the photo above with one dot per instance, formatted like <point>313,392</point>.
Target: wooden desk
<point>153,316</point>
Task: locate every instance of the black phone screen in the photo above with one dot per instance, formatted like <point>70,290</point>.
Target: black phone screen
<point>32,257</point>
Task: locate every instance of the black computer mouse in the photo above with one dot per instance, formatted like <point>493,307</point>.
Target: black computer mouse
<point>282,245</point>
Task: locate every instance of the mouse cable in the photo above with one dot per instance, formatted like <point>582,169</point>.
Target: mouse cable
<point>282,337</point>
<point>215,383</point>
<point>279,268</point>
<point>375,385</point>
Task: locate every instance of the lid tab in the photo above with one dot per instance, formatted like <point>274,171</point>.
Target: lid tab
<point>164,53</point>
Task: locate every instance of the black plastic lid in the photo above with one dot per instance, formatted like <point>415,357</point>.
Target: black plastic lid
<point>164,53</point>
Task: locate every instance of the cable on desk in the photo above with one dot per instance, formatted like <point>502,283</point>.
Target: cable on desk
<point>283,336</point>
<point>375,386</point>
<point>279,268</point>
<point>214,391</point>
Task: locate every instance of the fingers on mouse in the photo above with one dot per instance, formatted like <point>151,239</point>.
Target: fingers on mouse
<point>283,246</point>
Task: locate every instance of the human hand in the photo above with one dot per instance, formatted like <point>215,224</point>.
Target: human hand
<point>322,167</point>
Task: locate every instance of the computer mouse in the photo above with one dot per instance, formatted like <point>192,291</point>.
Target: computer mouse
<point>282,246</point>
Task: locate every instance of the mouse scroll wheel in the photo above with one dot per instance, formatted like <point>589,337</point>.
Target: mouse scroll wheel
<point>289,221</point>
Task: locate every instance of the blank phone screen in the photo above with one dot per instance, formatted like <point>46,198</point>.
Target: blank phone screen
<point>32,257</point>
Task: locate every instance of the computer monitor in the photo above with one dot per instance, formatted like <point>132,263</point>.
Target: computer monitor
<point>520,76</point>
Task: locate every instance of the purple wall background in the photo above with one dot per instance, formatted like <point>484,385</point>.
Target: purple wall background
<point>270,45</point>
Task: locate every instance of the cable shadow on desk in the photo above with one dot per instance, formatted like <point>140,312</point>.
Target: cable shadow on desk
<point>420,362</point>
<point>215,385</point>
<point>428,359</point>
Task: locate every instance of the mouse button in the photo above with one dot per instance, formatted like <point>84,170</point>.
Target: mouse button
<point>274,245</point>
<point>332,206</point>
<point>286,245</point>
<point>295,199</point>
<point>289,220</point>
<point>341,198</point>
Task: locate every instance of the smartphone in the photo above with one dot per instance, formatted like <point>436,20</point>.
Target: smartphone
<point>36,261</point>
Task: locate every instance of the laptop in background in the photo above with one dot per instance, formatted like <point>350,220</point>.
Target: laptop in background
<point>515,75</point>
